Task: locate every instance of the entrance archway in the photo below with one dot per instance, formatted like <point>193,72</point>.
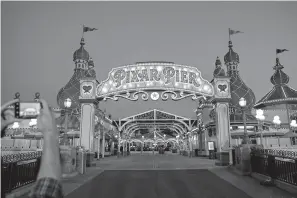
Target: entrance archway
<point>156,80</point>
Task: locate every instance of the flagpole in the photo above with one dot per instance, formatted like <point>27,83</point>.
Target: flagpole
<point>83,31</point>
<point>229,35</point>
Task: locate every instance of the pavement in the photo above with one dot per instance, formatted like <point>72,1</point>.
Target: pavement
<point>169,175</point>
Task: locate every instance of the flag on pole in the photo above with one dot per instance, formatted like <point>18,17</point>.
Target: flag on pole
<point>278,51</point>
<point>231,32</point>
<point>88,29</point>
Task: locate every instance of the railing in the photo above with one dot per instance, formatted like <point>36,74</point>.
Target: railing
<point>277,164</point>
<point>18,170</point>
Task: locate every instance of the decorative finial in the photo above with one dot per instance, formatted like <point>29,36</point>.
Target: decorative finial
<point>82,42</point>
<point>218,62</point>
<point>230,44</point>
<point>37,95</point>
<point>278,65</point>
<point>17,95</point>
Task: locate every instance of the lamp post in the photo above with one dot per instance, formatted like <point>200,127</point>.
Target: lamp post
<point>277,122</point>
<point>260,117</point>
<point>293,125</point>
<point>246,150</point>
<point>15,126</point>
<point>177,140</point>
<point>242,103</point>
<point>119,145</point>
<point>67,105</point>
<point>154,144</point>
<point>142,144</point>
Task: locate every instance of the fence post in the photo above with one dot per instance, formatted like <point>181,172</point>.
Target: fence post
<point>271,170</point>
<point>12,175</point>
<point>38,162</point>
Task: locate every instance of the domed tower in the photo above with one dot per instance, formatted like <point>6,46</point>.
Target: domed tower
<point>219,71</point>
<point>238,88</point>
<point>281,92</point>
<point>280,101</point>
<point>84,67</point>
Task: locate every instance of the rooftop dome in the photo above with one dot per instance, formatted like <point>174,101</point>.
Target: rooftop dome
<point>231,56</point>
<point>279,77</point>
<point>72,88</point>
<point>238,88</point>
<point>219,71</point>
<point>81,53</point>
<point>90,63</point>
<point>90,73</point>
<point>281,93</point>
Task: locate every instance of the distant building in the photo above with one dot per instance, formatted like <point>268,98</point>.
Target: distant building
<point>280,101</point>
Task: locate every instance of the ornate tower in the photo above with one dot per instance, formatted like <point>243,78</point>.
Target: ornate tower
<point>281,99</point>
<point>221,99</point>
<point>84,67</point>
<point>238,88</point>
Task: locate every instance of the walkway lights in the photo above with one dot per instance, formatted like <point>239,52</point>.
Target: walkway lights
<point>293,125</point>
<point>260,117</point>
<point>67,105</point>
<point>15,126</point>
<point>246,158</point>
<point>277,122</point>
<point>242,103</point>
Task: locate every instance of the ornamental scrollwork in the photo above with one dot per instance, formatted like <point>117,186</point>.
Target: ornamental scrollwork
<point>133,97</point>
<point>20,157</point>
<point>275,152</point>
<point>149,115</point>
<point>174,96</point>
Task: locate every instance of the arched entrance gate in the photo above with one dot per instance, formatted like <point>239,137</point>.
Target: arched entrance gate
<point>156,80</point>
<point>155,127</point>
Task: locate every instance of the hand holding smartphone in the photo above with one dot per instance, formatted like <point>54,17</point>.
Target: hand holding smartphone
<point>27,110</point>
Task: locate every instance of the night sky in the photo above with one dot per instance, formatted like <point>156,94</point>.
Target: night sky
<point>39,39</point>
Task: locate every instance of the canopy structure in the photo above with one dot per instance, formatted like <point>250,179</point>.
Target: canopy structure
<point>281,93</point>
<point>155,123</point>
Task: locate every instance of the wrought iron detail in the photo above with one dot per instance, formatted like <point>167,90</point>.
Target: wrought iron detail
<point>20,157</point>
<point>148,116</point>
<point>175,96</point>
<point>161,115</point>
<point>275,152</point>
<point>133,97</point>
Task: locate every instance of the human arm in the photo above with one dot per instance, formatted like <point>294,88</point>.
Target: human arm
<point>48,180</point>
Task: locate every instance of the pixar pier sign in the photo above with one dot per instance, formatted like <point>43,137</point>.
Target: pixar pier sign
<point>154,76</point>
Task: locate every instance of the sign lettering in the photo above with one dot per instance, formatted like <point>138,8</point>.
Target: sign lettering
<point>154,76</point>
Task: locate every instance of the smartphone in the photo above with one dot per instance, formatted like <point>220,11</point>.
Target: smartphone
<point>27,110</point>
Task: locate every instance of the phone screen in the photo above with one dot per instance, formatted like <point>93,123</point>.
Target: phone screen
<point>27,110</point>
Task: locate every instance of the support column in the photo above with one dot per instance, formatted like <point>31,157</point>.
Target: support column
<point>126,148</point>
<point>221,100</point>
<point>98,144</point>
<point>103,143</point>
<point>98,147</point>
<point>87,98</point>
<point>87,125</point>
<point>206,143</point>
<point>129,145</point>
<point>112,148</point>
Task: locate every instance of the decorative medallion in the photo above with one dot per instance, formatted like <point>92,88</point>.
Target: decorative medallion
<point>87,89</point>
<point>155,96</point>
<point>222,88</point>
